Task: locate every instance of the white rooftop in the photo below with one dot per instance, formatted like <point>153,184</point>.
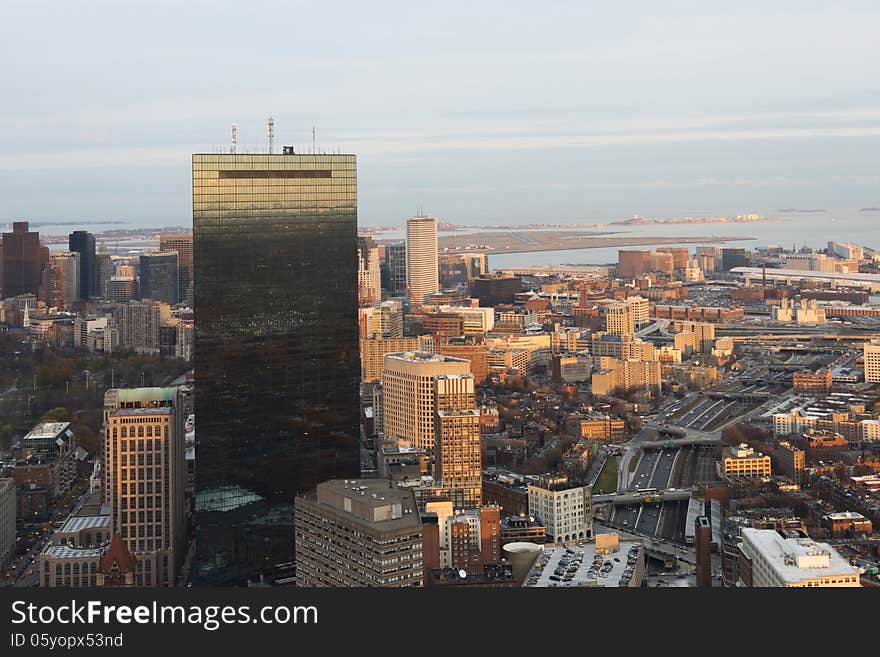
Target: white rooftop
<point>46,430</point>
<point>797,559</point>
<point>77,523</point>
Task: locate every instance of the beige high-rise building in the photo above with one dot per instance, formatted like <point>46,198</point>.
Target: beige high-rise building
<point>794,562</point>
<point>627,375</point>
<point>369,274</point>
<point>422,263</point>
<point>409,394</point>
<point>871,354</point>
<point>358,532</point>
<point>619,319</point>
<point>64,267</point>
<point>457,461</point>
<point>373,352</point>
<point>145,476</point>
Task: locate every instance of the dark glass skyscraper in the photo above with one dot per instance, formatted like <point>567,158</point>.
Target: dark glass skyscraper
<point>83,242</point>
<point>394,269</point>
<point>276,350</point>
<point>158,277</point>
<point>22,261</point>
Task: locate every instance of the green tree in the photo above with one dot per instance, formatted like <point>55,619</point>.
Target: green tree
<point>86,438</point>
<point>5,436</point>
<point>58,414</point>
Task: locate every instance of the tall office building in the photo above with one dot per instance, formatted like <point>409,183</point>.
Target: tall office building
<point>369,276</point>
<point>871,357</point>
<point>733,257</point>
<point>158,279</point>
<point>394,269</point>
<point>139,323</point>
<point>7,519</point>
<point>276,349</point>
<point>22,262</point>
<point>422,265</point>
<point>145,476</point>
<point>64,278</point>
<point>183,244</point>
<point>358,532</point>
<point>619,319</point>
<point>103,271</point>
<point>83,242</point>
<point>633,263</point>
<point>409,394</point>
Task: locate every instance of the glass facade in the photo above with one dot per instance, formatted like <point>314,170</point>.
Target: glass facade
<point>159,277</point>
<point>83,242</point>
<point>394,269</point>
<point>276,351</point>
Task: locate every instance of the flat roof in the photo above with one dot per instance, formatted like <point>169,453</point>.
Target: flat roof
<point>78,523</point>
<point>806,273</point>
<point>46,430</point>
<point>783,555</point>
<point>159,410</point>
<point>67,552</point>
<point>587,553</point>
<point>424,357</point>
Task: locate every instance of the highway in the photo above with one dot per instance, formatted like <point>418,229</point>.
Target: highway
<point>664,468</point>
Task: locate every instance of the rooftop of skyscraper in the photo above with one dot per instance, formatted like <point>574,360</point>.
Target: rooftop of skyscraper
<point>424,357</point>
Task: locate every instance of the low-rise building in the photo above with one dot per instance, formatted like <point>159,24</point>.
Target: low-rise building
<point>566,511</point>
<point>743,461</point>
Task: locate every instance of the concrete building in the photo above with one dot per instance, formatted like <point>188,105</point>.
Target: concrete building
<point>792,460</point>
<point>409,394</point>
<point>566,511</point>
<point>733,257</point>
<point>422,261</point>
<point>145,476</point>
<point>64,267</point>
<point>369,274</point>
<point>457,461</point>
<point>183,245</point>
<point>373,351</point>
<point>619,319</point>
<point>848,523</point>
<point>633,263</point>
<point>472,349</point>
<point>794,562</point>
<point>606,563</point>
<point>871,355</point>
<point>139,323</point>
<point>703,550</point>
<point>613,374</point>
<point>743,461</point>
<point>475,321</point>
<point>7,520</point>
<point>358,532</point>
<point>519,529</point>
<point>496,289</point>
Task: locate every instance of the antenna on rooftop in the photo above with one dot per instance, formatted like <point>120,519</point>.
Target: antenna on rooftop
<point>314,139</point>
<point>271,132</point>
<point>234,139</point>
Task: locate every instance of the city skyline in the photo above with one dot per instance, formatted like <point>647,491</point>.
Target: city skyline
<point>596,115</point>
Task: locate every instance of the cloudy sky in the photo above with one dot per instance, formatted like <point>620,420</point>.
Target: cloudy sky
<point>478,111</point>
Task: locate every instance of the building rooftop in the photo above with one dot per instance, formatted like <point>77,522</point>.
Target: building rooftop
<point>373,503</point>
<point>424,357</point>
<point>594,570</point>
<point>161,410</point>
<point>797,559</point>
<point>67,552</point>
<point>46,430</point>
<point>846,515</point>
<point>78,523</point>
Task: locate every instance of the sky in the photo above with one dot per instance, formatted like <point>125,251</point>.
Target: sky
<point>478,112</point>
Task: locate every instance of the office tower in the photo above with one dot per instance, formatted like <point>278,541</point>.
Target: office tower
<point>145,476</point>
<point>103,271</point>
<point>358,532</point>
<point>373,352</point>
<point>496,289</point>
<point>703,549</point>
<point>680,255</point>
<point>471,348</point>
<point>662,263</point>
<point>121,289</point>
<point>394,269</point>
<point>158,280</point>
<point>731,258</point>
<point>633,263</point>
<point>139,323</point>
<point>462,268</point>
<point>409,394</point>
<point>7,519</point>
<point>183,245</point>
<point>871,356</point>
<point>422,266</point>
<point>369,276</point>
<point>64,278</point>
<point>83,242</point>
<point>276,349</point>
<point>457,464</point>
<point>619,319</point>
<point>22,261</point>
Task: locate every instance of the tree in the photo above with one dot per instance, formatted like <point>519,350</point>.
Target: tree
<point>58,414</point>
<point>86,438</point>
<point>5,436</point>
